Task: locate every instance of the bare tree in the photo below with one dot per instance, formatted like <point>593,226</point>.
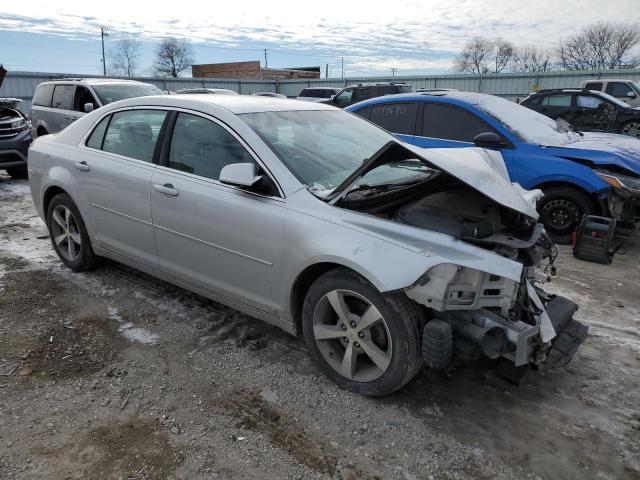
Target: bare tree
<point>172,57</point>
<point>531,59</point>
<point>125,57</point>
<point>600,46</point>
<point>484,55</point>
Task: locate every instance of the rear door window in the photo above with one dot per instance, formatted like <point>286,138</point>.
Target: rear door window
<point>396,117</point>
<point>588,101</point>
<point>43,95</point>
<point>134,133</point>
<point>594,86</point>
<point>452,123</point>
<point>63,96</point>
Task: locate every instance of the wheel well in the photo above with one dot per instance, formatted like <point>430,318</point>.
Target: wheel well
<point>302,285</point>
<point>41,130</point>
<point>594,203</point>
<point>48,195</point>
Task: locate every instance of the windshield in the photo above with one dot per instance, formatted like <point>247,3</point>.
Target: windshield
<point>112,93</point>
<point>322,148</point>
<point>526,124</point>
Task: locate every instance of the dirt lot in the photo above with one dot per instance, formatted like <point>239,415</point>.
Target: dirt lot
<point>116,375</point>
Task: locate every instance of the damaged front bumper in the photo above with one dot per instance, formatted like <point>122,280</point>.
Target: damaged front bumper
<point>497,316</point>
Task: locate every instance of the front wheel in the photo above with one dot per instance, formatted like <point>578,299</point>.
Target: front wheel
<point>69,235</point>
<point>632,129</point>
<point>561,210</point>
<point>363,340</point>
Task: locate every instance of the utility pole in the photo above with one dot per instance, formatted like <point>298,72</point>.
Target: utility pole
<point>266,63</point>
<point>342,67</point>
<point>326,71</point>
<point>103,32</point>
<point>393,71</point>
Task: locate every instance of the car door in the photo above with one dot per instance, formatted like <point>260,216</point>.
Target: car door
<point>219,237</point>
<point>114,175</point>
<point>62,102</point>
<point>593,113</point>
<point>557,105</point>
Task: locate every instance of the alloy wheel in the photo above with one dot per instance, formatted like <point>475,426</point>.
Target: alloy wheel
<point>632,129</point>
<point>65,233</point>
<point>352,335</point>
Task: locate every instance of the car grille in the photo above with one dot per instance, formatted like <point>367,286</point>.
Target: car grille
<point>6,131</point>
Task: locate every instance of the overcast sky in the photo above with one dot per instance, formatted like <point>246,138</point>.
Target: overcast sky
<point>373,36</point>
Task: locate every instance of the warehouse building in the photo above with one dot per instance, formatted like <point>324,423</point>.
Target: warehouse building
<point>252,71</point>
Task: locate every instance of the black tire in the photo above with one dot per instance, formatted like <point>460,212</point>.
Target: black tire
<point>437,344</point>
<point>631,129</point>
<point>565,345</point>
<point>86,259</point>
<point>561,210</point>
<point>402,317</point>
<point>17,172</point>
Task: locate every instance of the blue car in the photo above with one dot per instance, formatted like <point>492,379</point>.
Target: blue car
<point>579,173</point>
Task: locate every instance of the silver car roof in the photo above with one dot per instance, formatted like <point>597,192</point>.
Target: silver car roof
<point>237,104</point>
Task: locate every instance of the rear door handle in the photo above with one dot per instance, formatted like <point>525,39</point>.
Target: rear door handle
<point>166,189</point>
<point>82,166</point>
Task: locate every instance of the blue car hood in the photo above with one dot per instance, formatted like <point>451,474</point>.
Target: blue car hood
<point>603,149</point>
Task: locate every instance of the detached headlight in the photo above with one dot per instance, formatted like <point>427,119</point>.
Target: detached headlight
<point>623,182</point>
<point>19,124</point>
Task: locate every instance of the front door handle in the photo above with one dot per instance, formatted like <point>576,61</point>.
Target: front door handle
<point>82,166</point>
<point>166,189</point>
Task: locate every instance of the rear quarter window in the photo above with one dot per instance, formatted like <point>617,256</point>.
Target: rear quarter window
<point>43,95</point>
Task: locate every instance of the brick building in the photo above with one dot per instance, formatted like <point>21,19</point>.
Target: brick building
<point>252,71</point>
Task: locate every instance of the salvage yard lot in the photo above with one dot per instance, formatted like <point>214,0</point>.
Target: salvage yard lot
<point>114,374</point>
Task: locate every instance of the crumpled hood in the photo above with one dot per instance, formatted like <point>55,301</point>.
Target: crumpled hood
<point>483,170</point>
<point>603,149</point>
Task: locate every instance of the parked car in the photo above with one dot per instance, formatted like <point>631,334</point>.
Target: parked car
<point>217,91</point>
<point>317,94</point>
<point>316,221</point>
<point>626,90</point>
<point>58,103</point>
<point>363,91</point>
<point>579,173</point>
<point>269,94</point>
<point>586,110</point>
<point>15,137</point>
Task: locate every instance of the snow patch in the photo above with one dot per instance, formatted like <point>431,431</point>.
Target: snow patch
<point>131,332</point>
<point>16,187</point>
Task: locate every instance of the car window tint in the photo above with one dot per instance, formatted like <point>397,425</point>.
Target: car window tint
<point>557,101</point>
<point>364,112</point>
<point>618,89</point>
<point>97,136</point>
<point>134,133</point>
<point>203,147</point>
<point>43,95</point>
<point>396,117</point>
<point>588,101</point>
<point>451,123</point>
<point>63,97</point>
<point>83,95</point>
<point>360,94</point>
<point>594,86</point>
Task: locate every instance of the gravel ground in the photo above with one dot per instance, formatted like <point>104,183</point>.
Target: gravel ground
<point>116,375</point>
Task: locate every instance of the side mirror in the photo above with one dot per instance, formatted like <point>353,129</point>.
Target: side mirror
<point>487,140</point>
<point>631,95</point>
<point>88,107</point>
<point>240,174</point>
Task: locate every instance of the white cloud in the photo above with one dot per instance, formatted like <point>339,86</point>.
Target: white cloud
<point>408,34</point>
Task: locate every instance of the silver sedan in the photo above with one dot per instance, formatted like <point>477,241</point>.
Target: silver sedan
<point>384,256</point>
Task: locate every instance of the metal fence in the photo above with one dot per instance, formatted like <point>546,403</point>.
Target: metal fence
<point>510,85</point>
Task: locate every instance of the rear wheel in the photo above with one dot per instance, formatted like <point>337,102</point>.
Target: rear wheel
<point>631,129</point>
<point>17,172</point>
<point>561,210</point>
<point>69,235</point>
<point>363,340</point>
